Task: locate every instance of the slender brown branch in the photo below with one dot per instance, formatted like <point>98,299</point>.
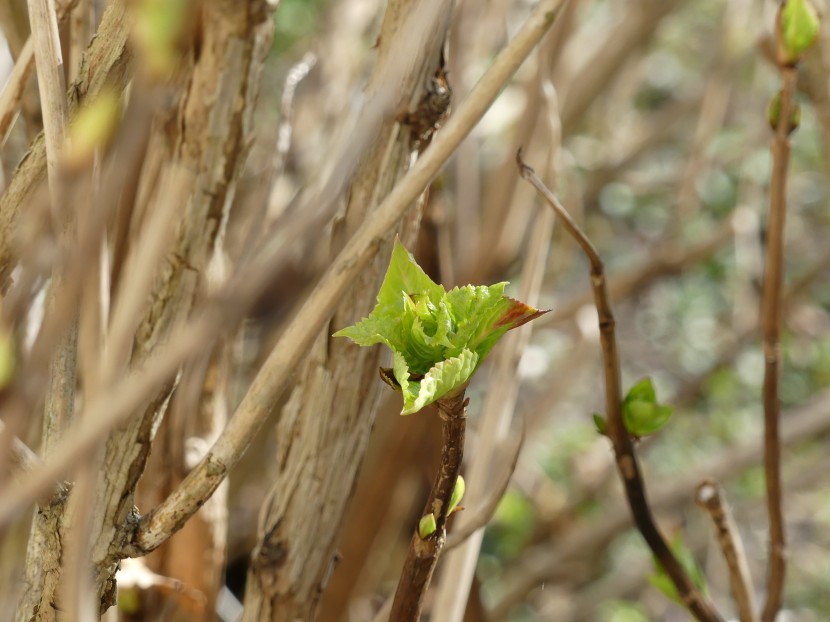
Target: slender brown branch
<point>484,512</point>
<point>709,496</point>
<point>423,553</point>
<point>771,327</point>
<point>626,458</point>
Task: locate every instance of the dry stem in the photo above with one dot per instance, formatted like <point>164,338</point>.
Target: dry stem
<point>626,458</point>
<point>710,497</point>
<point>771,326</point>
<point>423,553</point>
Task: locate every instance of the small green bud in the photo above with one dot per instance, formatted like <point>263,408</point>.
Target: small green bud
<point>457,494</point>
<point>798,25</point>
<point>427,526</point>
<point>774,114</point>
<point>599,422</point>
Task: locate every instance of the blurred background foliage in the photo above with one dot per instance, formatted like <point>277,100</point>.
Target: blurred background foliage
<point>664,159</point>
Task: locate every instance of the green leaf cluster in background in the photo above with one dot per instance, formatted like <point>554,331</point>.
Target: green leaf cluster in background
<point>438,338</point>
<point>642,414</point>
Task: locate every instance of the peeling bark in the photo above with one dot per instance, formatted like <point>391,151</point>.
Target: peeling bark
<point>325,426</point>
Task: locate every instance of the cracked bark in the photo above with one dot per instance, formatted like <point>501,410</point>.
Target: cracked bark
<point>214,91</point>
<point>325,425</point>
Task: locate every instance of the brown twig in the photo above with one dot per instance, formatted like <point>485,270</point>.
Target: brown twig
<point>626,458</point>
<point>710,497</point>
<point>423,553</point>
<point>482,514</point>
<point>771,318</point>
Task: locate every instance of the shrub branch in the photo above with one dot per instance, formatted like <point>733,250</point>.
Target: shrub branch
<point>771,327</point>
<point>626,458</point>
<point>423,553</point>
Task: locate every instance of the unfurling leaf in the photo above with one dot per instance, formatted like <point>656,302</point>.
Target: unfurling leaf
<point>438,338</point>
<point>427,526</point>
<point>457,494</point>
<point>642,414</point>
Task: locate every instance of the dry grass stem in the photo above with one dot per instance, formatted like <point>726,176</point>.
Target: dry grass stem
<point>709,496</point>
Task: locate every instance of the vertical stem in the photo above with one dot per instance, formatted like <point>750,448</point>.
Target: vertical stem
<point>771,326</point>
<point>423,553</point>
<point>626,458</point>
<point>50,79</point>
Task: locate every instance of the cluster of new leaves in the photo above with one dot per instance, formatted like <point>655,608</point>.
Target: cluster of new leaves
<point>642,414</point>
<point>438,338</point>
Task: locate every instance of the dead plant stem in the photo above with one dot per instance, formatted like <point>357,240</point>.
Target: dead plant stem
<point>709,496</point>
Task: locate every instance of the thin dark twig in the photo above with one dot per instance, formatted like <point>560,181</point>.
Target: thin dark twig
<point>771,326</point>
<point>626,458</point>
<point>710,497</point>
<point>485,511</point>
<point>423,553</point>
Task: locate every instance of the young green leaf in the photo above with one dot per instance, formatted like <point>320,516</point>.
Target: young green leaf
<point>457,494</point>
<point>643,391</point>
<point>599,422</point>
<point>642,414</point>
<point>438,338</point>
<point>427,526</point>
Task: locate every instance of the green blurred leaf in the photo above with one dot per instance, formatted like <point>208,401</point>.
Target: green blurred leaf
<point>92,128</point>
<point>158,28</point>
<point>642,391</point>
<point>8,356</point>
<point>642,414</point>
<point>600,423</point>
<point>686,558</point>
<point>620,611</point>
<point>438,338</point>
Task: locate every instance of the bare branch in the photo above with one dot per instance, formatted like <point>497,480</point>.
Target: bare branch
<point>482,514</point>
<point>423,553</point>
<point>626,458</point>
<point>771,319</point>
